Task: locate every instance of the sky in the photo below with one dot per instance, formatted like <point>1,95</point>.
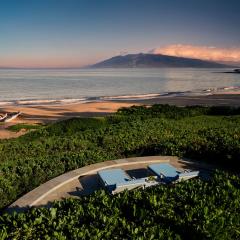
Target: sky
<point>75,33</point>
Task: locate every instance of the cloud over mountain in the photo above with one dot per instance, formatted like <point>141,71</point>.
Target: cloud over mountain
<point>201,52</point>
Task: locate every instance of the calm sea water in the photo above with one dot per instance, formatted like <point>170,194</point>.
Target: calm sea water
<point>29,86</point>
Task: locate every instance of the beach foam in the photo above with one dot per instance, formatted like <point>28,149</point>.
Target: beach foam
<point>201,92</point>
<point>131,97</point>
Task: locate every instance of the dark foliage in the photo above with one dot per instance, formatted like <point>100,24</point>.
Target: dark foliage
<point>190,210</point>
<point>192,132</point>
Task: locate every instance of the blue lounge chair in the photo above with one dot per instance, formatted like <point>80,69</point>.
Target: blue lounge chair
<point>116,180</point>
<point>167,173</point>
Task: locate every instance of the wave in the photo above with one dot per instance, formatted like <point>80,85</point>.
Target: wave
<point>32,102</point>
<point>132,97</point>
<point>50,101</point>
<point>225,90</point>
<point>136,97</point>
<point>5,103</point>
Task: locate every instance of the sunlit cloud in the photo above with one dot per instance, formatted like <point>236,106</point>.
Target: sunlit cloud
<point>202,52</point>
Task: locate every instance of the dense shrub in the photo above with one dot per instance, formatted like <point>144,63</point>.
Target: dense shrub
<point>188,210</point>
<point>38,156</point>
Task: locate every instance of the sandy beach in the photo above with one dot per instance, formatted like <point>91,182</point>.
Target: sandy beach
<point>42,114</point>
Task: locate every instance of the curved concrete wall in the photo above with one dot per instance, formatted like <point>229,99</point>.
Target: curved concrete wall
<point>35,196</point>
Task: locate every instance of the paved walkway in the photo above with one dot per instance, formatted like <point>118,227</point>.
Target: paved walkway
<point>84,180</point>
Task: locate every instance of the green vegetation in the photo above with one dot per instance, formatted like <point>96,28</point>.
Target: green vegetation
<point>20,126</point>
<point>210,134</point>
<point>188,210</point>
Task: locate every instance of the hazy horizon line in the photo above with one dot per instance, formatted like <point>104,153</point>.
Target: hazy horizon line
<point>230,63</point>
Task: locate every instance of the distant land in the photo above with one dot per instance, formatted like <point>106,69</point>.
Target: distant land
<point>142,60</point>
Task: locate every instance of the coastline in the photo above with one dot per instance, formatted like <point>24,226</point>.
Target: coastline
<point>223,99</point>
<point>45,113</point>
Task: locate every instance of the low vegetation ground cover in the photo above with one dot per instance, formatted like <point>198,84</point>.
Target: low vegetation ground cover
<point>207,134</point>
<point>192,210</point>
<point>195,209</point>
<point>20,126</point>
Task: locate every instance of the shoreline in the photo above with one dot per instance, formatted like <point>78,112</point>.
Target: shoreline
<point>44,114</point>
<point>225,99</point>
<point>230,90</point>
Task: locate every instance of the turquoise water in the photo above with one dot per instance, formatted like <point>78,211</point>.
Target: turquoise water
<point>49,86</point>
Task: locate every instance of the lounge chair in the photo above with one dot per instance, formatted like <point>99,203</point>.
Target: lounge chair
<point>167,173</point>
<point>116,180</point>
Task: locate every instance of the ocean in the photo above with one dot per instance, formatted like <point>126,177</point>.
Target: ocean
<point>47,86</point>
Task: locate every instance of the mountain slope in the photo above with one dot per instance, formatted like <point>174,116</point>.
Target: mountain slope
<point>155,61</point>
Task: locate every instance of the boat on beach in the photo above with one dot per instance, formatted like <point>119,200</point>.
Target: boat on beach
<point>8,117</point>
<point>3,117</point>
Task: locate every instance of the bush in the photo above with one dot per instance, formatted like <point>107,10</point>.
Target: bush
<point>38,156</point>
<point>188,210</point>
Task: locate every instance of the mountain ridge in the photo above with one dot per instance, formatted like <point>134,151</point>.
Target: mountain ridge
<point>148,60</point>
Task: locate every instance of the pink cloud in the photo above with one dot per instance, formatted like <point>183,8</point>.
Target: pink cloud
<point>201,52</point>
